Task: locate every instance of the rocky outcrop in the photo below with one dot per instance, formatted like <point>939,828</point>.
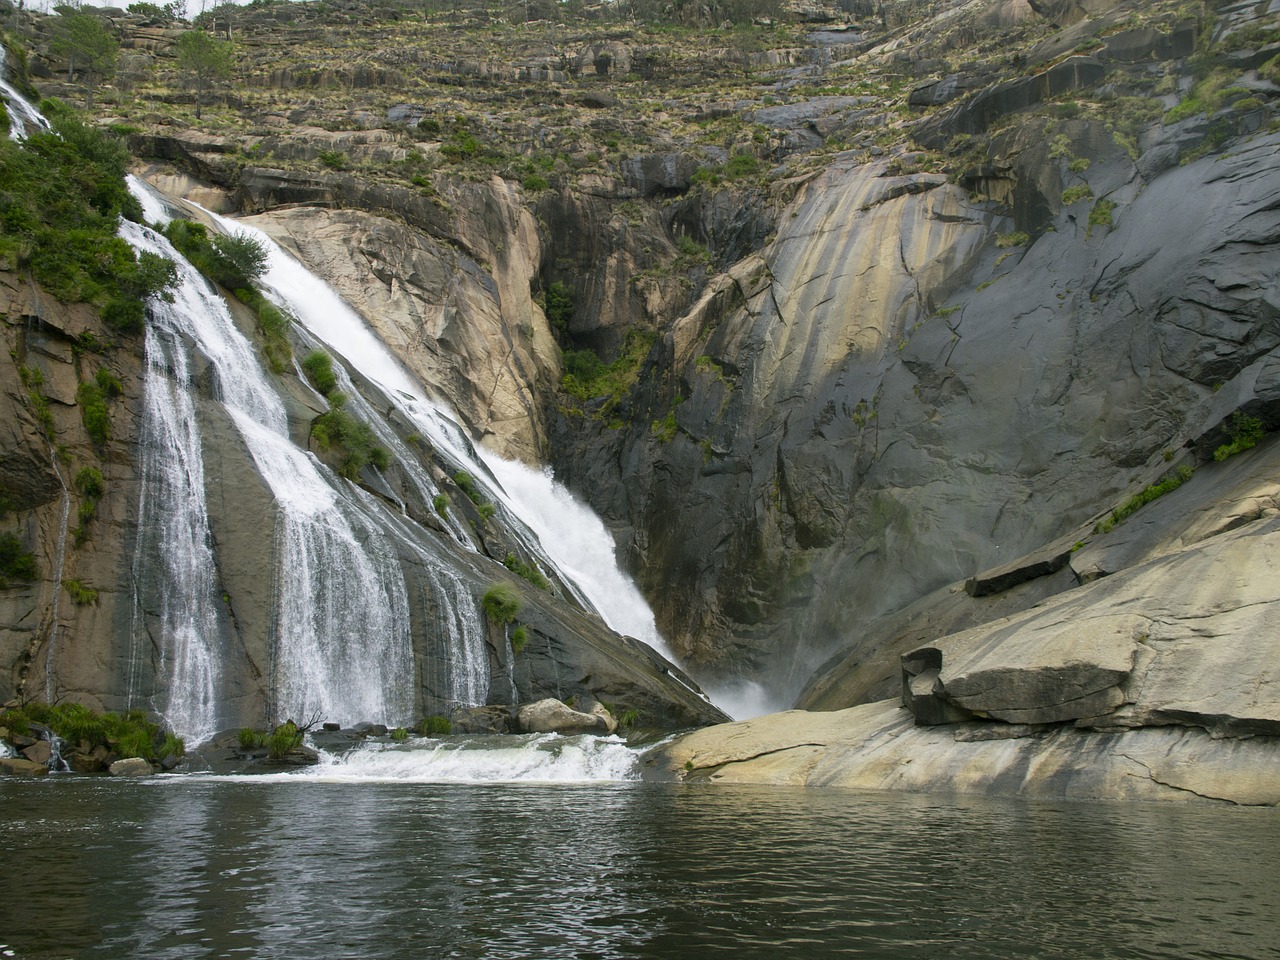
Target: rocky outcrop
<point>465,324</point>
<point>877,747</point>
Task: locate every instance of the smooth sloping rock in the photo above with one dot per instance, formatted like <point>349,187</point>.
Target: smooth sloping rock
<point>877,747</point>
<point>552,716</point>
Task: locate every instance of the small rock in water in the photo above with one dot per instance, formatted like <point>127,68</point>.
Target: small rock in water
<point>15,767</point>
<point>552,716</point>
<point>331,726</point>
<point>131,767</point>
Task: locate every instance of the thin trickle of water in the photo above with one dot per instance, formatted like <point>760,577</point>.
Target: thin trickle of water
<point>174,562</point>
<point>460,622</point>
<point>60,559</point>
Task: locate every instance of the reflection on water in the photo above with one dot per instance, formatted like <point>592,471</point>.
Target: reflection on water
<point>202,867</point>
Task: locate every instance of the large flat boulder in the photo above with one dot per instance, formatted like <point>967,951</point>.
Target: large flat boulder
<point>877,747</point>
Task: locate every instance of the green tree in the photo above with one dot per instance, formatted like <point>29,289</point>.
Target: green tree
<point>89,49</point>
<point>204,61</point>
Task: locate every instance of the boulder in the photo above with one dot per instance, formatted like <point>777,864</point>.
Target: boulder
<point>490,719</point>
<point>39,752</point>
<point>16,767</point>
<point>131,767</point>
<point>552,716</point>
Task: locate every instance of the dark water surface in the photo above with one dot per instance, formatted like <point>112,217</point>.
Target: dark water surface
<point>201,867</point>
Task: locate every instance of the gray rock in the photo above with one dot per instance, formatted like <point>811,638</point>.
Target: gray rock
<point>877,747</point>
<point>552,716</point>
<point>131,767</point>
<point>19,767</point>
<point>493,719</point>
<point>39,752</point>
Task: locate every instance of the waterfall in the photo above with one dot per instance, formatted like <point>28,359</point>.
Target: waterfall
<point>21,113</point>
<point>174,550</point>
<point>341,643</point>
<point>577,542</point>
<point>571,537</point>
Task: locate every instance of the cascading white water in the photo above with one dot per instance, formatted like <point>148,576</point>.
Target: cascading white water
<point>537,758</point>
<point>577,542</point>
<point>342,644</point>
<point>567,533</point>
<point>22,115</point>
<point>174,559</point>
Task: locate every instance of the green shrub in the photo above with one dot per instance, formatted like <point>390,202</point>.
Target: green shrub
<point>283,738</point>
<point>691,248</point>
<point>435,726</point>
<point>441,504</point>
<point>399,734</point>
<point>519,638</point>
<point>628,718</point>
<point>559,305</point>
<point>88,481</point>
<point>132,734</point>
<point>108,383</point>
<point>586,377</point>
<point>16,561</point>
<point>535,183</point>
<point>664,430</point>
<point>501,603</point>
<point>354,440</point>
<point>333,159</point>
<point>529,571</point>
<point>742,165</point>
<point>467,484</point>
<point>318,366</point>
<point>1075,194</point>
<point>240,258</point>
<point>1100,215</point>
<point>251,739</point>
<point>94,412</point>
<point>62,195</point>
<point>81,595</point>
<point>1016,239</point>
<point>1131,506</point>
<point>1245,432</point>
<point>486,510</point>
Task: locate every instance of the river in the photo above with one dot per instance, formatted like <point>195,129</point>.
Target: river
<point>317,866</point>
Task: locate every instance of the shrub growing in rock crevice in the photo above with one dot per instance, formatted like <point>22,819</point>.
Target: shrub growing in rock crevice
<point>501,603</point>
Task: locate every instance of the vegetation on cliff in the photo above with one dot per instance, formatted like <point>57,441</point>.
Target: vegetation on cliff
<point>61,195</point>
